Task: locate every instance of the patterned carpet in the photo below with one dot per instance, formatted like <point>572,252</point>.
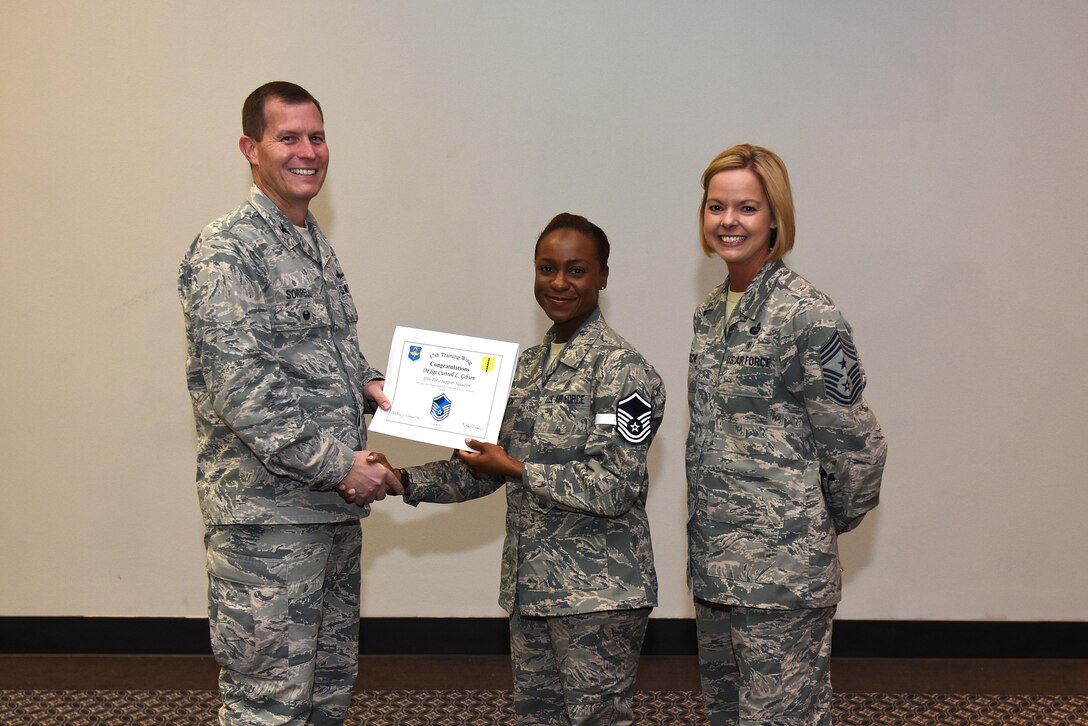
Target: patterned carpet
<point>493,708</point>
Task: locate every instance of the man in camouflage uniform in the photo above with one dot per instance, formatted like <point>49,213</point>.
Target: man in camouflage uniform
<point>279,387</point>
<point>783,455</point>
<point>577,569</point>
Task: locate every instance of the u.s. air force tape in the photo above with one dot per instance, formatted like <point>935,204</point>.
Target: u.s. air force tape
<point>633,418</point>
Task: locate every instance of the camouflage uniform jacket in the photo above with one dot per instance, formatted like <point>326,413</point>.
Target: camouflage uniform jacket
<point>783,453</point>
<point>577,535</point>
<point>274,370</point>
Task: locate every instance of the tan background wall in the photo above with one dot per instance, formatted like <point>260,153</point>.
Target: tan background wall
<point>938,156</point>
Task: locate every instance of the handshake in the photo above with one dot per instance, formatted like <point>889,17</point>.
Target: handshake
<point>370,478</point>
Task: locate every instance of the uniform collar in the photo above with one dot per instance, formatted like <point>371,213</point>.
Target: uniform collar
<point>279,223</point>
<point>759,289</point>
<point>580,343</point>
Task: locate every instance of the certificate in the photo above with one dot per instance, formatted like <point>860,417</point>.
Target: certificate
<point>446,388</point>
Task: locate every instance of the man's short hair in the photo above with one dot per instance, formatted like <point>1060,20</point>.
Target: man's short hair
<point>253,108</point>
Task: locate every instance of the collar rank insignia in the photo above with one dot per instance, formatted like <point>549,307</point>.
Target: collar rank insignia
<point>633,418</point>
<point>842,374</point>
<point>440,407</point>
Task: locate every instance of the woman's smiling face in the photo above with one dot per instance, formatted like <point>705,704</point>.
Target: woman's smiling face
<point>569,278</point>
<point>737,221</point>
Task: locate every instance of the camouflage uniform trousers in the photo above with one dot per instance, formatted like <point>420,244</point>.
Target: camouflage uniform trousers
<point>762,666</point>
<point>576,670</point>
<point>283,607</point>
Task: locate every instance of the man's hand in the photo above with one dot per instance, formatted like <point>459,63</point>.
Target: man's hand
<point>375,393</point>
<point>368,480</point>
<point>379,458</point>
<point>492,460</point>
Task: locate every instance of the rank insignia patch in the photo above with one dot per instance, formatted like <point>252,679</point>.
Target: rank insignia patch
<point>633,418</point>
<point>440,407</point>
<point>842,374</point>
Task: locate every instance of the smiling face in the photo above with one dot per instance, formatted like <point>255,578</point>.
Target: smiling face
<point>737,223</point>
<point>290,160</point>
<point>569,278</point>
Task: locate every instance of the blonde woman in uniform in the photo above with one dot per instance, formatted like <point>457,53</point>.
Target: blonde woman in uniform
<point>783,455</point>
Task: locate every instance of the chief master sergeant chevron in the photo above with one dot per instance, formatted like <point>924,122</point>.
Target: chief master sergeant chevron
<point>279,387</point>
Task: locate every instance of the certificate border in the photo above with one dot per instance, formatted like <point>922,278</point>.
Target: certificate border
<point>403,337</point>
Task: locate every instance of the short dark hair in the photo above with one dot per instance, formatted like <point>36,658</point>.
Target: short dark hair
<point>253,108</point>
<point>566,220</point>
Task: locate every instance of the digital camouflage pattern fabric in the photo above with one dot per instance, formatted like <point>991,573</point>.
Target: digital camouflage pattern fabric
<point>284,620</point>
<point>576,670</point>
<point>762,666</point>
<point>783,453</point>
<point>577,535</point>
<point>274,370</point>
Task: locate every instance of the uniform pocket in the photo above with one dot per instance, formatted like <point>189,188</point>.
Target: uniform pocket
<point>745,539</point>
<point>748,375</point>
<point>559,438</point>
<point>299,314</point>
<point>750,511</point>
<point>568,553</point>
<point>247,614</point>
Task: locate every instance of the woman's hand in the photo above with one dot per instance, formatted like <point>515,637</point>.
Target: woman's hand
<point>492,460</point>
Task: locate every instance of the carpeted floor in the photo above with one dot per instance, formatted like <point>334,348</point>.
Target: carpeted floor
<point>493,708</point>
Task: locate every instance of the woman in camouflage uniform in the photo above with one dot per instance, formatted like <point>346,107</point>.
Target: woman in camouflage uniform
<point>783,455</point>
<point>577,573</point>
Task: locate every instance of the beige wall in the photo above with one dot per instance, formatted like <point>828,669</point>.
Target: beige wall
<point>938,156</point>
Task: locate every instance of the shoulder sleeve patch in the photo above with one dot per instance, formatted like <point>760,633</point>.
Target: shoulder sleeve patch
<point>633,418</point>
<point>842,374</point>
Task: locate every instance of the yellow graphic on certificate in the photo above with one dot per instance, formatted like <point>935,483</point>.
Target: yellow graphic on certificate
<point>488,363</point>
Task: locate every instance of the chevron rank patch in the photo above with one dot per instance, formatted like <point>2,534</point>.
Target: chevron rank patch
<point>842,374</point>
<point>440,407</point>
<point>633,418</point>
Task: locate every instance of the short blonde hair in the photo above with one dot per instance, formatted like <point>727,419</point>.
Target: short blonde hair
<point>775,180</point>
